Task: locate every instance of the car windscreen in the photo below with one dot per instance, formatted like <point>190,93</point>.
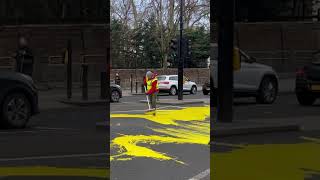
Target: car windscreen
<point>162,78</point>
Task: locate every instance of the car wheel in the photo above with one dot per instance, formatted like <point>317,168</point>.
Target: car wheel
<point>173,91</point>
<point>193,90</point>
<point>16,111</point>
<point>115,96</point>
<point>305,99</point>
<point>205,92</point>
<point>268,91</point>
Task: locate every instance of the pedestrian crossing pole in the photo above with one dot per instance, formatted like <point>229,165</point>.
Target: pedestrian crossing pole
<point>181,57</point>
<point>225,21</point>
<point>68,61</point>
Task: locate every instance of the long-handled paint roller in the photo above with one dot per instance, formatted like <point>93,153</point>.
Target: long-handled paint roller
<point>147,99</point>
<point>149,110</point>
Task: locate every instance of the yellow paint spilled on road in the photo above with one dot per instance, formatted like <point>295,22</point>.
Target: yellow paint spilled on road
<point>185,126</point>
<point>54,171</point>
<point>267,161</point>
<point>170,117</point>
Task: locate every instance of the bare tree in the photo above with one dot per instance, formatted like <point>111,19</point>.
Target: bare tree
<point>133,12</point>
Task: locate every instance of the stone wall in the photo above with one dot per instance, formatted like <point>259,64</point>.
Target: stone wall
<point>199,76</point>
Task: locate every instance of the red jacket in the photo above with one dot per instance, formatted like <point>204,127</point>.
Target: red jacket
<point>153,88</point>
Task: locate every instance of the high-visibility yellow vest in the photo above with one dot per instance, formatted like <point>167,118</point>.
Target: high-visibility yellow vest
<point>149,83</point>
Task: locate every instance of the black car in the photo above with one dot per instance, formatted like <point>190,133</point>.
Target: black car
<point>116,92</point>
<point>308,83</point>
<point>206,88</point>
<point>18,99</point>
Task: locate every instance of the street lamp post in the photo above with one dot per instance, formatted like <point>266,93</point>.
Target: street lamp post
<point>181,58</point>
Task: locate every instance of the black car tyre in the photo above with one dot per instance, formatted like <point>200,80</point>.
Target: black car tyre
<point>115,96</point>
<point>173,91</point>
<point>268,91</point>
<point>193,90</point>
<point>205,92</point>
<point>305,99</point>
<point>16,111</point>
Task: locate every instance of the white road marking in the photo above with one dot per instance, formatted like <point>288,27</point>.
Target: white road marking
<point>229,144</point>
<point>52,157</point>
<point>35,130</point>
<point>48,128</point>
<point>16,132</point>
<point>139,110</point>
<point>201,175</point>
<point>316,140</point>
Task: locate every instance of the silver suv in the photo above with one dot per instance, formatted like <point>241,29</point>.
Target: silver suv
<point>252,80</point>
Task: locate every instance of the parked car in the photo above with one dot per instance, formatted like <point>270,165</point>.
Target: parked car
<point>307,87</point>
<point>169,83</point>
<point>116,92</point>
<point>251,80</point>
<point>18,99</point>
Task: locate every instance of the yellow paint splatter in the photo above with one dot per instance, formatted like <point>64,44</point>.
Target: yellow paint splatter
<point>169,117</point>
<point>267,161</point>
<point>54,171</point>
<point>186,126</point>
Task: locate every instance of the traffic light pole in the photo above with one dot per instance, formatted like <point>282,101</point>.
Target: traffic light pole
<point>181,60</point>
<point>225,18</point>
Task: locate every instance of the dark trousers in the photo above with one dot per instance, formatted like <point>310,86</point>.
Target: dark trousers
<point>153,100</point>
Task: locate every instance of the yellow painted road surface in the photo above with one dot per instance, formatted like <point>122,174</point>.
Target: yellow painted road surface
<point>54,171</point>
<point>268,162</point>
<point>183,126</point>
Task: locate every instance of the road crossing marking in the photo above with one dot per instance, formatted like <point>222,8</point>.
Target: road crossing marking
<point>201,175</point>
<point>316,140</point>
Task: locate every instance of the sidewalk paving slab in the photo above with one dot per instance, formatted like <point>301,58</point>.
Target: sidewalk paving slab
<point>81,102</point>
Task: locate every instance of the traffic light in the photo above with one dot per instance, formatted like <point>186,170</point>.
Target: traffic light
<point>187,53</point>
<point>173,55</point>
<point>189,48</point>
<point>174,46</point>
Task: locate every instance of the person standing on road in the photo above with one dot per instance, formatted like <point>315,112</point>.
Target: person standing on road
<point>24,58</point>
<point>117,79</point>
<point>151,83</point>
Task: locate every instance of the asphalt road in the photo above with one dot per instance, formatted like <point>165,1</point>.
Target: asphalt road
<point>292,155</point>
<point>152,136</point>
<point>277,156</point>
<point>62,143</point>
<point>65,144</point>
<point>286,106</point>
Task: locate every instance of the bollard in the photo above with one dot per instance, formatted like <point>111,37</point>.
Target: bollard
<point>84,81</point>
<point>68,56</point>
<point>137,87</point>
<point>103,85</point>
<point>131,83</point>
